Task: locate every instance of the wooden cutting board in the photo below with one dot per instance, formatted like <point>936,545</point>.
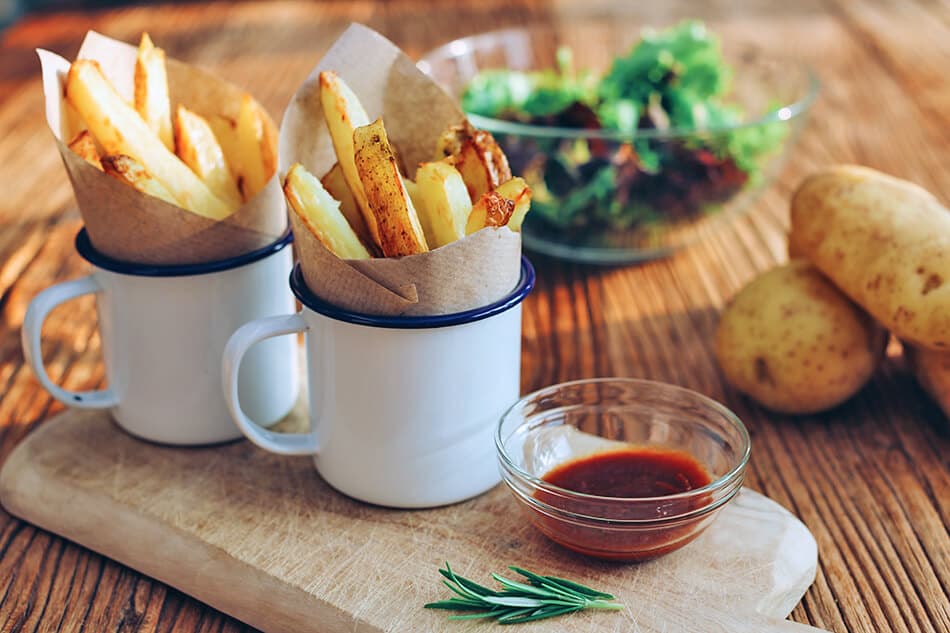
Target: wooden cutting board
<point>263,538</point>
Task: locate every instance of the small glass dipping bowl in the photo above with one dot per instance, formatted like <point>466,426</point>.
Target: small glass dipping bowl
<point>579,419</point>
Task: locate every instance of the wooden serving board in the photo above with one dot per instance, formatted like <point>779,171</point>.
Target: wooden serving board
<point>262,538</point>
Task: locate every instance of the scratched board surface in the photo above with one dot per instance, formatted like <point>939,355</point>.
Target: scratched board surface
<point>263,539</point>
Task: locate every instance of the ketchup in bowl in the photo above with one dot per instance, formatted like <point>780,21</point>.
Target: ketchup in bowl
<point>621,469</point>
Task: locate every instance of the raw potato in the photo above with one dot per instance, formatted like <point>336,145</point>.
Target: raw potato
<point>794,343</point>
<point>932,370</point>
<point>884,242</point>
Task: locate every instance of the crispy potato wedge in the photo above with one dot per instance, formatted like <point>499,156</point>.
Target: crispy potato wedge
<point>321,214</point>
<point>225,131</point>
<point>120,130</point>
<point>517,191</point>
<point>477,156</point>
<point>85,147</point>
<point>443,203</point>
<point>197,146</point>
<point>257,147</point>
<point>400,232</point>
<point>151,90</point>
<point>344,113</point>
<point>335,183</point>
<point>492,209</point>
<point>131,172</point>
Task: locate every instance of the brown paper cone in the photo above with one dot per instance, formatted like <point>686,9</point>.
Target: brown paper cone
<point>129,226</point>
<point>466,274</point>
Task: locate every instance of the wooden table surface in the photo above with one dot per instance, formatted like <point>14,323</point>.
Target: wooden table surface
<point>870,479</point>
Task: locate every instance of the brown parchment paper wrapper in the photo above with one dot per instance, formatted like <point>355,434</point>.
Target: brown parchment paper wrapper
<point>466,274</point>
<point>130,226</point>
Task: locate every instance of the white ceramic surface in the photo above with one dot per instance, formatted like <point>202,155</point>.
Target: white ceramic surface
<point>162,339</point>
<point>399,417</point>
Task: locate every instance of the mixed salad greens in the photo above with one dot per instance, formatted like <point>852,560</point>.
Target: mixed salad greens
<point>670,80</point>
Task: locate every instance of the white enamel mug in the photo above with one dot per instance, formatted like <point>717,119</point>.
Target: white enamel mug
<point>402,409</point>
<point>164,329</point>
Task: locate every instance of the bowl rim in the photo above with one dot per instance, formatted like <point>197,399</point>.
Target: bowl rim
<point>719,484</point>
<point>781,114</point>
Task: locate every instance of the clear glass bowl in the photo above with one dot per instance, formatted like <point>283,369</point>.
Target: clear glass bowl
<point>641,216</point>
<point>573,420</point>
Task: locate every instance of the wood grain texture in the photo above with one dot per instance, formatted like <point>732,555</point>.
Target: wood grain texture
<point>264,539</point>
<point>870,479</point>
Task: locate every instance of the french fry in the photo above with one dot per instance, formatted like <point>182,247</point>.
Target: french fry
<point>257,147</point>
<point>120,130</point>
<point>443,203</point>
<point>151,90</point>
<point>400,232</point>
<point>197,146</point>
<point>516,190</point>
<point>321,214</point>
<point>225,130</point>
<point>131,172</point>
<point>414,196</point>
<point>335,183</point>
<point>344,113</point>
<point>85,147</point>
<point>491,210</point>
<point>477,156</point>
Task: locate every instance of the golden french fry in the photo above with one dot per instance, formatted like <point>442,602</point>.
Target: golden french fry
<point>516,190</point>
<point>225,130</point>
<point>414,196</point>
<point>477,156</point>
<point>196,145</point>
<point>151,90</point>
<point>443,203</point>
<point>400,232</point>
<point>335,183</point>
<point>321,214</point>
<point>131,172</point>
<point>257,147</point>
<point>120,130</point>
<point>344,113</point>
<point>85,147</point>
<point>490,210</point>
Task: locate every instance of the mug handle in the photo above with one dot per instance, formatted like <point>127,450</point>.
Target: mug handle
<point>30,336</point>
<point>240,342</point>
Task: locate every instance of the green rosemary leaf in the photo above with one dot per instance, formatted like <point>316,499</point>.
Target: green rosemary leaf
<point>466,583</point>
<point>511,585</point>
<point>541,614</point>
<point>514,601</point>
<point>544,597</point>
<point>579,588</point>
<point>455,603</point>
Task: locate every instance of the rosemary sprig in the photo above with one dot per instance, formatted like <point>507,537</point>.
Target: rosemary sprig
<point>538,598</point>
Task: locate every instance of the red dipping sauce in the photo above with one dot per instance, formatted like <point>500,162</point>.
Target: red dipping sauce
<point>630,484</point>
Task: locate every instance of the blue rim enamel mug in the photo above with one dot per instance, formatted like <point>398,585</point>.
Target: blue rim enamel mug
<point>402,409</point>
<point>163,331</point>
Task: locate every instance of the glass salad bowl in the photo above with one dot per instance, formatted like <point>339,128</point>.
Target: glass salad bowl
<point>640,153</point>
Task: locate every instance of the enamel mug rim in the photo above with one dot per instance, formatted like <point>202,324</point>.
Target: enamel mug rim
<point>306,296</point>
<point>88,252</point>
